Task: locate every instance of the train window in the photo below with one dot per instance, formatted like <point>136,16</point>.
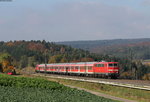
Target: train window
<point>99,65</point>
<point>72,68</point>
<point>89,67</point>
<point>110,65</point>
<point>42,67</point>
<point>113,65</point>
<point>82,68</point>
<point>76,68</point>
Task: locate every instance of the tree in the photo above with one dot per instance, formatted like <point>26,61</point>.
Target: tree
<point>63,60</point>
<point>87,59</point>
<point>23,61</point>
<point>31,61</point>
<point>55,59</point>
<point>5,56</point>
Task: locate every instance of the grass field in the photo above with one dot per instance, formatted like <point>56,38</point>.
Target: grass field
<point>23,89</point>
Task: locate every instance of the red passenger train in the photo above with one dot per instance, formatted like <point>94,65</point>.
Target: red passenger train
<point>107,69</point>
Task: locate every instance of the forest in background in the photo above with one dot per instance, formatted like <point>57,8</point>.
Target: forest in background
<point>23,54</point>
<point>117,47</point>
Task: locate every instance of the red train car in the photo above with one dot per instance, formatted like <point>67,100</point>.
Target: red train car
<point>107,69</point>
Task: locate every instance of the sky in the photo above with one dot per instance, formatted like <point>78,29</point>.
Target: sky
<point>73,20</point>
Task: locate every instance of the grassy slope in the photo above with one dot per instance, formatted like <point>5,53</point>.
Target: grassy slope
<point>128,93</point>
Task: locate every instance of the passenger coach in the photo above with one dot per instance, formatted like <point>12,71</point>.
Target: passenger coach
<point>105,69</point>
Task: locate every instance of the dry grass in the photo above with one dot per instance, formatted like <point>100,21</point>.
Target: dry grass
<point>27,70</point>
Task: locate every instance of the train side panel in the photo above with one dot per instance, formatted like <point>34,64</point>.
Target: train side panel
<point>98,68</point>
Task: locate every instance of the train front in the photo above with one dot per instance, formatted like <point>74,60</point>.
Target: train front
<point>113,69</point>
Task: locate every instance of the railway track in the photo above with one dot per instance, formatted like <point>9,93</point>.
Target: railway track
<point>136,84</point>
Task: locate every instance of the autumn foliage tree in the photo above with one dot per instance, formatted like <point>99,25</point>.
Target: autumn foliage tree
<point>5,63</point>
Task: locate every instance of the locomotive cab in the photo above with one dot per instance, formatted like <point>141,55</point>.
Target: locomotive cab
<point>106,69</point>
<point>113,69</point>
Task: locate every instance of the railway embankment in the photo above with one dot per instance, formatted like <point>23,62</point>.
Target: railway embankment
<point>106,89</point>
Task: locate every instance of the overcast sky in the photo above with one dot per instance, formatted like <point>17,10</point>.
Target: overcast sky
<point>70,20</point>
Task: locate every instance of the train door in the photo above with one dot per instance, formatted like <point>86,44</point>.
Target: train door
<point>86,70</point>
<point>67,68</point>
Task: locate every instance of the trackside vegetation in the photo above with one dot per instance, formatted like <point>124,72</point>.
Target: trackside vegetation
<point>23,89</point>
<point>127,93</point>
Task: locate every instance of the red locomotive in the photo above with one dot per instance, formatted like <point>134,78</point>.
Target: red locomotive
<point>107,69</point>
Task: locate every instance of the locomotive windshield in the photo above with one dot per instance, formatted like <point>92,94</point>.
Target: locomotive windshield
<point>113,65</point>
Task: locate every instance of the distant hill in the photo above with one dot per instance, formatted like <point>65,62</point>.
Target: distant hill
<point>118,47</point>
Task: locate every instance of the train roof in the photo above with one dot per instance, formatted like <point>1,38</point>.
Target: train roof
<point>77,63</point>
<point>70,63</point>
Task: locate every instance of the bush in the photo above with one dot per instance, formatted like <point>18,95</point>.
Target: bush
<point>146,77</point>
<point>6,80</point>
